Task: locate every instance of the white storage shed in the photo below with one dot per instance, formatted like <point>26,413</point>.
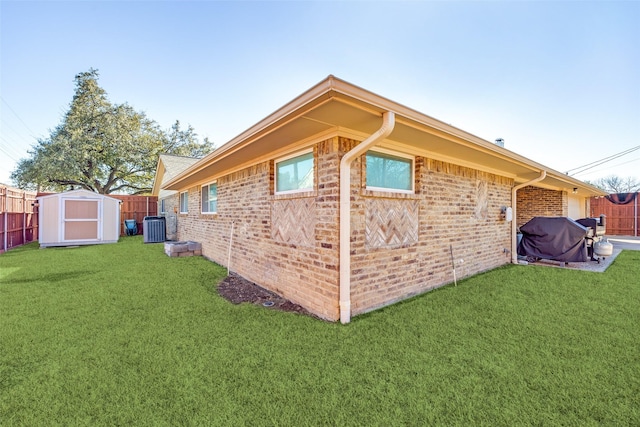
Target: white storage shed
<point>78,217</point>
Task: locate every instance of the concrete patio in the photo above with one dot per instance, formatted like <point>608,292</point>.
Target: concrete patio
<point>619,243</point>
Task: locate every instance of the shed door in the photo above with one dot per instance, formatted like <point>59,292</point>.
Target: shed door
<point>81,220</point>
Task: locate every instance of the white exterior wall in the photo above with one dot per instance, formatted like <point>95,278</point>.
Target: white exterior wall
<point>576,207</point>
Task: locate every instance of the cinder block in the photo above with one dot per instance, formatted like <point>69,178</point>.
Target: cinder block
<point>193,246</point>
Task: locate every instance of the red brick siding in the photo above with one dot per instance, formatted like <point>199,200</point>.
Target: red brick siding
<point>305,275</point>
<point>534,201</point>
<point>448,214</point>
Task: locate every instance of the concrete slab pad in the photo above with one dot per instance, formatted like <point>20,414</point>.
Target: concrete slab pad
<point>619,243</point>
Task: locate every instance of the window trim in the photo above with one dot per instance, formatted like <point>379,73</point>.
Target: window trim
<point>208,201</point>
<point>180,202</point>
<point>398,154</point>
<point>289,157</point>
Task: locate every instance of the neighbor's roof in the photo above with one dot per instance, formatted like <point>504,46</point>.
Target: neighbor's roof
<point>335,107</point>
<point>169,166</point>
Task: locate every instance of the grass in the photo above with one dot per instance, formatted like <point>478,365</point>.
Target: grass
<point>123,335</point>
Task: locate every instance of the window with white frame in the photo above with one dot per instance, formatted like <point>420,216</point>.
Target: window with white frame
<point>210,198</point>
<point>295,173</point>
<point>184,202</point>
<point>162,206</point>
<point>389,172</point>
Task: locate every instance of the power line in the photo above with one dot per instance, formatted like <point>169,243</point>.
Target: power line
<point>7,126</point>
<point>606,158</point>
<point>610,167</point>
<point>597,163</point>
<point>8,146</point>
<point>19,118</point>
<point>9,155</point>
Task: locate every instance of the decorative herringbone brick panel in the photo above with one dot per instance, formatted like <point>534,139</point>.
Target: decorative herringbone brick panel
<point>482,193</point>
<point>391,223</point>
<point>294,221</point>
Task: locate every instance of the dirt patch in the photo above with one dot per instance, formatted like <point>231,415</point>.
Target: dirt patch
<point>237,290</point>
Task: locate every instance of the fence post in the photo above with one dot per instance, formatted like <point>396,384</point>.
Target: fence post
<point>6,225</point>
<point>2,211</point>
<point>24,217</point>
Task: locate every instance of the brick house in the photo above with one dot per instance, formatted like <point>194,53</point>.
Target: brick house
<point>344,201</point>
<point>168,167</point>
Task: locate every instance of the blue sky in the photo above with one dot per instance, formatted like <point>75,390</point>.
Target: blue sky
<point>559,81</point>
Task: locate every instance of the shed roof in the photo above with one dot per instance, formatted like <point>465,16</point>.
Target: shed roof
<point>81,193</point>
<point>336,107</point>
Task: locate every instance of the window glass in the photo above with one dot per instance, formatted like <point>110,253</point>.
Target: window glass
<point>295,174</point>
<point>387,171</point>
<point>184,202</point>
<point>162,206</point>
<point>210,198</point>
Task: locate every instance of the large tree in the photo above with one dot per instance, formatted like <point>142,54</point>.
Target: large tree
<point>103,147</point>
<point>616,184</point>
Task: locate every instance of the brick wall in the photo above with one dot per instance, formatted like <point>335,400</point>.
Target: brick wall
<point>534,201</point>
<point>272,246</point>
<point>302,270</point>
<point>458,207</point>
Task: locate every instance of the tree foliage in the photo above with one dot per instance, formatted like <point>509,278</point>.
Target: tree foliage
<point>616,184</point>
<point>103,147</point>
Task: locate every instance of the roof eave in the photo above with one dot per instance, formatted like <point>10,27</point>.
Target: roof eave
<point>314,94</point>
<point>333,87</point>
<point>157,179</point>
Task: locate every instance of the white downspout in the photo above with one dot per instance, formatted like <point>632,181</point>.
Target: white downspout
<point>388,122</point>
<point>514,225</point>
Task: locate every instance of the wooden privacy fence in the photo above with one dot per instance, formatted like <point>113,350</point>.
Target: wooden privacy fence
<point>136,207</point>
<point>18,218</point>
<point>622,219</point>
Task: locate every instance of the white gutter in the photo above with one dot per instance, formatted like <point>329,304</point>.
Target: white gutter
<point>514,225</point>
<point>388,122</point>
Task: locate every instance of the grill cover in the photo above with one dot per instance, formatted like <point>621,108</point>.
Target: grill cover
<point>595,225</point>
<point>555,238</point>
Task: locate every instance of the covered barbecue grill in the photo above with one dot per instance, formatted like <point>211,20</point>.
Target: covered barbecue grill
<point>596,229</point>
<point>554,238</point>
<point>597,225</point>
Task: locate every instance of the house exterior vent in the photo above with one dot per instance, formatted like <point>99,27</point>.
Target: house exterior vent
<point>500,142</point>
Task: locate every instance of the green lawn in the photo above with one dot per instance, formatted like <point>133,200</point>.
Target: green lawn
<point>124,335</point>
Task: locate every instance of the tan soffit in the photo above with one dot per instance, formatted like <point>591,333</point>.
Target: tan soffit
<point>336,107</point>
